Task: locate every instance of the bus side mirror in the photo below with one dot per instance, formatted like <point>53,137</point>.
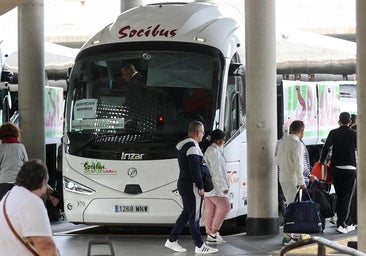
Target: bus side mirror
<point>68,73</point>
<point>236,69</point>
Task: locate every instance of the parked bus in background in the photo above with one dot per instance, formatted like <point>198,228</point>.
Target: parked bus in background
<point>58,59</point>
<point>317,104</point>
<point>54,118</point>
<point>120,162</point>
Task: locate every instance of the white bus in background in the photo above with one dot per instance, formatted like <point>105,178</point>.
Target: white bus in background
<point>318,104</point>
<point>53,109</point>
<point>120,164</point>
<point>348,96</point>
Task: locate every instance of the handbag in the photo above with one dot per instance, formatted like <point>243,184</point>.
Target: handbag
<point>322,172</point>
<point>207,179</point>
<point>302,216</point>
<point>26,243</point>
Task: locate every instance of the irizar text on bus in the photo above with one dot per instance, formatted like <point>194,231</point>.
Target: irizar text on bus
<point>131,156</point>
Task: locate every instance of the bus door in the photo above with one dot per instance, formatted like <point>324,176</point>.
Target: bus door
<point>235,146</point>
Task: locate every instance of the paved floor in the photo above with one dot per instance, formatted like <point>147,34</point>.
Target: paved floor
<point>153,245</point>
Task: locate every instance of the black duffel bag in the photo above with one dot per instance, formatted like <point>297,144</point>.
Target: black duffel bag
<point>319,195</point>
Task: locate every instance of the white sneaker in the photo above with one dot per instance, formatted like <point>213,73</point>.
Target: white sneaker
<point>205,249</point>
<point>215,239</point>
<point>342,230</point>
<point>288,240</point>
<point>174,246</point>
<point>351,228</point>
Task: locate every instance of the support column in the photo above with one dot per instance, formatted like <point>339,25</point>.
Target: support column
<point>128,4</point>
<point>361,125</point>
<point>260,42</point>
<point>31,78</point>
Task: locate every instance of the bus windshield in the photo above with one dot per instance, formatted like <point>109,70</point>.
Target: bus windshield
<point>139,101</point>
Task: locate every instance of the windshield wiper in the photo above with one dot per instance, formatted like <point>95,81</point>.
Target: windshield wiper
<point>94,139</point>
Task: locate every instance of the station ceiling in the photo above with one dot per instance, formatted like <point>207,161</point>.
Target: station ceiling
<point>76,42</point>
<point>7,5</point>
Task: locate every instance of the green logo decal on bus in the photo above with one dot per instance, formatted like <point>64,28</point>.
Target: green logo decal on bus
<point>96,168</point>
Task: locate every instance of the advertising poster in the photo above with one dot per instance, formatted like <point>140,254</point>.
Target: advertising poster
<point>54,109</point>
<point>314,103</point>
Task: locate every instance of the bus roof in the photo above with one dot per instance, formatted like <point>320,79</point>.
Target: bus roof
<point>200,23</point>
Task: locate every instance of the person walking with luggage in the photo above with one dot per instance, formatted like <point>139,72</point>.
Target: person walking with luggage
<point>217,205</point>
<point>190,187</point>
<point>343,142</point>
<point>12,156</point>
<point>290,159</point>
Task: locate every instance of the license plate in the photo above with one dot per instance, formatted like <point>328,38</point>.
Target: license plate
<point>131,208</point>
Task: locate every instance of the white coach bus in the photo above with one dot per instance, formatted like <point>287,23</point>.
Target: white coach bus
<point>120,161</point>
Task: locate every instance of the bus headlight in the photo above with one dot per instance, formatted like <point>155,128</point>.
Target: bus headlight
<point>75,187</point>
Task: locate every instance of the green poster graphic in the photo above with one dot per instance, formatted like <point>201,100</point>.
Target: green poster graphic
<point>314,103</point>
<point>53,107</point>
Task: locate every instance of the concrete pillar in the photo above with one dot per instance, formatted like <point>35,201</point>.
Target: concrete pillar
<point>128,4</point>
<point>260,42</point>
<point>31,76</point>
<point>361,125</point>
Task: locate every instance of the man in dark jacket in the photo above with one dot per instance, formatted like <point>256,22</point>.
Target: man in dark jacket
<point>190,187</point>
<point>130,74</point>
<point>343,141</point>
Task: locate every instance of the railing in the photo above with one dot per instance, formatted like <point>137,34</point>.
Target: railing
<point>322,244</point>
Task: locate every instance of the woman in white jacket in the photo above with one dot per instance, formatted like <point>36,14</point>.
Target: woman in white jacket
<point>217,204</point>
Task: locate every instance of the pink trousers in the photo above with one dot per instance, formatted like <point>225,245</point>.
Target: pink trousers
<point>216,209</point>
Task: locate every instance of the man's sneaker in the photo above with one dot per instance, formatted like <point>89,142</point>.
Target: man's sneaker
<point>215,239</point>
<point>205,249</point>
<point>342,230</point>
<point>351,228</point>
<point>288,240</point>
<point>174,246</point>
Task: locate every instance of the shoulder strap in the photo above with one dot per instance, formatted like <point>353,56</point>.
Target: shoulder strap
<point>15,233</point>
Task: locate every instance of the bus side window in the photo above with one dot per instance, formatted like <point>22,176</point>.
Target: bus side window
<point>231,108</point>
<point>235,109</point>
<point>234,105</point>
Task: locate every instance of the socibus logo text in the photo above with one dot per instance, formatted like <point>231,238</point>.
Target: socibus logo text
<point>153,31</point>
